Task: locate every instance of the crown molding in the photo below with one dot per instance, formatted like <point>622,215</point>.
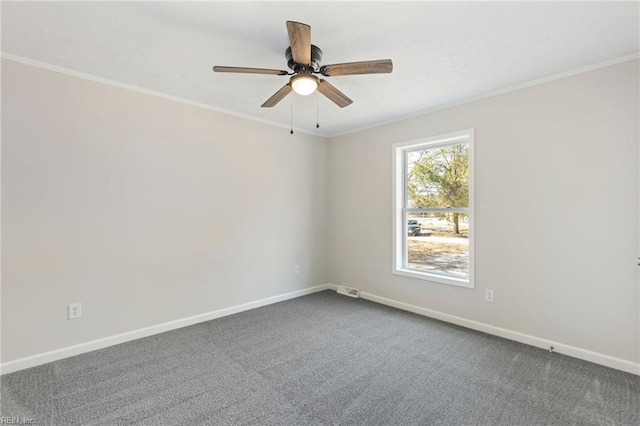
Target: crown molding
<point>94,78</point>
<point>491,94</point>
<point>397,119</point>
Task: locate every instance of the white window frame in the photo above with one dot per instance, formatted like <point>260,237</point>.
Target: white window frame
<point>399,207</point>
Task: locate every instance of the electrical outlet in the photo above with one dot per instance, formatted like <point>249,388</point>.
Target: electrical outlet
<point>75,310</point>
<point>296,270</point>
<point>488,295</point>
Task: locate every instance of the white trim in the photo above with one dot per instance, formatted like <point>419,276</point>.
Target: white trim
<point>508,89</point>
<point>436,278</point>
<point>438,140</point>
<point>584,354</point>
<point>399,201</point>
<point>161,95</point>
<point>539,342</point>
<point>57,354</point>
<point>379,123</point>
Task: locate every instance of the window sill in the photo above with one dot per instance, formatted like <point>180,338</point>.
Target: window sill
<point>438,278</point>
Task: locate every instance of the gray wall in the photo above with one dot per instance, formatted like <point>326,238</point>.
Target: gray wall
<point>148,210</point>
<point>556,195</point>
<point>145,210</point>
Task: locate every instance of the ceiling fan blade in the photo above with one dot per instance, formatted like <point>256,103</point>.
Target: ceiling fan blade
<point>278,96</point>
<point>333,94</point>
<point>249,70</point>
<point>300,40</point>
<point>380,66</point>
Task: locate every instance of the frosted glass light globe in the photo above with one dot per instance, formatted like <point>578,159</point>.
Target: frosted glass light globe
<point>304,84</point>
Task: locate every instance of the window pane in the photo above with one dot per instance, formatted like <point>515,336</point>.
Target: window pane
<point>438,177</point>
<point>440,244</point>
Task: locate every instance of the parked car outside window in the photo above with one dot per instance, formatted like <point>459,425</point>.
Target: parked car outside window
<point>413,227</point>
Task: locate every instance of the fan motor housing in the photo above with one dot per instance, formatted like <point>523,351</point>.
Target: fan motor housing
<point>316,58</point>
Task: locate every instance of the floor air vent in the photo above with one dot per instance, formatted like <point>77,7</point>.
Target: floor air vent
<point>349,291</point>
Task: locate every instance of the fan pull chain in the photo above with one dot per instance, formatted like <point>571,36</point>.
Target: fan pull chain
<point>291,118</point>
<point>317,111</point>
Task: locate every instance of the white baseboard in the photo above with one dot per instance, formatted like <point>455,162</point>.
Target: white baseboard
<point>43,358</point>
<point>572,351</point>
<point>584,354</point>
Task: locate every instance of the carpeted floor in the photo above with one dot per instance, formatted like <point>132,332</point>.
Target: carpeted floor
<point>322,359</point>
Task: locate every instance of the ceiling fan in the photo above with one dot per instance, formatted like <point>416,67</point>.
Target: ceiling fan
<point>304,60</point>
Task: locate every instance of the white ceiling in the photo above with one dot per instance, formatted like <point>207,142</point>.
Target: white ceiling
<point>442,52</point>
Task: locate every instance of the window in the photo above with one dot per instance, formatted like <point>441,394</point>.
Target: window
<point>433,209</point>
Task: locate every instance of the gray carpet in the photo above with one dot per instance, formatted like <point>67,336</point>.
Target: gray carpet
<point>322,359</point>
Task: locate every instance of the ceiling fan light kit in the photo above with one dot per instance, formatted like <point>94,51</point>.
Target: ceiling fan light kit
<point>304,59</point>
<point>304,84</point>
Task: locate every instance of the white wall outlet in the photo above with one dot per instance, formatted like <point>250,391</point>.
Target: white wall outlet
<point>296,270</point>
<point>488,295</point>
<point>75,310</point>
